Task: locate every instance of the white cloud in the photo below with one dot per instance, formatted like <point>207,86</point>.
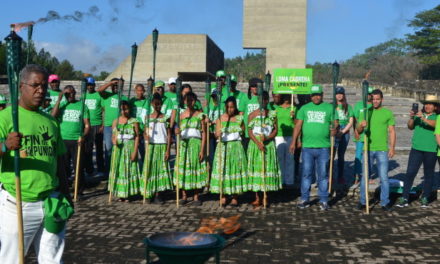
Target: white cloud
<point>86,55</point>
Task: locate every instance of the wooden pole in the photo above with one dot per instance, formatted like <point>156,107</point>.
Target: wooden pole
<point>264,176</point>
<point>220,162</point>
<point>332,153</point>
<point>367,200</point>
<point>176,169</point>
<point>77,171</point>
<point>147,165</point>
<point>112,174</point>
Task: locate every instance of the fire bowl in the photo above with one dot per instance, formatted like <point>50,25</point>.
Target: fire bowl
<point>184,247</point>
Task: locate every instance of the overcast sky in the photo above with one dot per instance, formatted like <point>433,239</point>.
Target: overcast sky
<point>336,30</point>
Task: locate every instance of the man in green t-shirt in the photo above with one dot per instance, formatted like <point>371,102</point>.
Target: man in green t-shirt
<point>40,146</point>
<point>110,102</point>
<point>251,103</point>
<point>71,121</point>
<point>171,94</point>
<point>95,137</point>
<point>54,83</point>
<point>137,105</point>
<point>316,122</point>
<point>359,139</point>
<point>378,127</point>
<point>423,150</point>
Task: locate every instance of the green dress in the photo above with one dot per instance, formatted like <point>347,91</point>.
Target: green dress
<point>233,161</point>
<point>124,173</point>
<point>192,173</point>
<point>156,168</point>
<point>271,179</point>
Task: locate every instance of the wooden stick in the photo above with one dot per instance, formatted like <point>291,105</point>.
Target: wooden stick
<point>176,169</point>
<point>366,176</point>
<point>147,166</point>
<point>208,167</point>
<point>112,174</point>
<point>77,171</point>
<point>220,162</point>
<point>19,219</point>
<point>332,153</point>
<point>264,176</point>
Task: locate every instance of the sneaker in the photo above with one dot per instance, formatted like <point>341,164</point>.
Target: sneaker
<point>360,206</point>
<point>424,203</point>
<point>402,202</point>
<point>387,208</point>
<point>324,206</point>
<point>303,205</point>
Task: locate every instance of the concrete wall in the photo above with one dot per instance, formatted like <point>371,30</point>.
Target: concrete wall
<point>279,26</point>
<point>194,53</point>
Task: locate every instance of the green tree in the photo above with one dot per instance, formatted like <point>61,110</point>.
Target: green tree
<point>426,40</point>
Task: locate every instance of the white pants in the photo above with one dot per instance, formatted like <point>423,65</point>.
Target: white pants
<point>285,159</point>
<point>49,247</point>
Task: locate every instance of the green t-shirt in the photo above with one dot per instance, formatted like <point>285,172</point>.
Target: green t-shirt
<point>137,108</point>
<point>110,104</point>
<point>344,117</point>
<point>437,132</point>
<point>317,120</point>
<point>54,96</point>
<point>70,122</point>
<point>423,138</point>
<point>213,114</point>
<point>241,99</point>
<point>94,104</point>
<point>251,105</point>
<point>378,120</point>
<point>41,144</point>
<point>359,111</point>
<point>285,121</point>
<point>172,97</point>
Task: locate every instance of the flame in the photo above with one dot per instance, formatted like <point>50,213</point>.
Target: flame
<point>367,75</point>
<point>189,240</point>
<point>20,26</point>
<point>228,225</point>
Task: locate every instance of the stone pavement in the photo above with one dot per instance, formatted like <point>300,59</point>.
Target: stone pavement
<point>102,233</point>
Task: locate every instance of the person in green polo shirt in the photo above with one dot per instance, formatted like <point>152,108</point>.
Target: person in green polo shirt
<point>111,113</point>
<point>316,122</point>
<point>54,83</point>
<point>171,94</point>
<point>95,137</point>
<point>252,103</point>
<point>359,139</point>
<point>71,121</point>
<point>423,150</point>
<point>378,127</point>
<point>239,96</point>
<point>41,146</point>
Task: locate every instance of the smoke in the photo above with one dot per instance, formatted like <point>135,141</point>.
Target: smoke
<point>404,10</point>
<point>114,6</point>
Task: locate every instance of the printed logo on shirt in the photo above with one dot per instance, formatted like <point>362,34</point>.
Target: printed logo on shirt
<point>91,104</point>
<point>113,103</point>
<point>40,144</point>
<point>252,107</point>
<point>342,115</point>
<point>316,117</point>
<point>71,115</point>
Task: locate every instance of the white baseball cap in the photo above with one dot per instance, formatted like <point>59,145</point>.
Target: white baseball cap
<point>171,80</point>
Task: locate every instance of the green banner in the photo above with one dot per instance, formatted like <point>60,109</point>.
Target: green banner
<point>292,81</point>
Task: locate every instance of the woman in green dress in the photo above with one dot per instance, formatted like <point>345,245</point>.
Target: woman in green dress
<point>229,168</point>
<point>156,170</point>
<point>262,130</point>
<point>124,171</point>
<point>191,164</point>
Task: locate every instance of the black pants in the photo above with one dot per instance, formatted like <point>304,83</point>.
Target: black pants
<point>70,160</point>
<point>94,138</point>
<point>415,160</point>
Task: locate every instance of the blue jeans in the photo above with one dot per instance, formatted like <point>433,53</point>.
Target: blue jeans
<point>310,157</point>
<point>415,160</point>
<point>381,158</point>
<point>107,147</point>
<point>358,158</point>
<point>341,146</point>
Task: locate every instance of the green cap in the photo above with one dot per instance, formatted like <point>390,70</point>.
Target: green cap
<point>57,210</point>
<point>371,89</point>
<point>3,99</point>
<point>159,84</point>
<point>233,78</point>
<point>316,89</point>
<point>220,73</point>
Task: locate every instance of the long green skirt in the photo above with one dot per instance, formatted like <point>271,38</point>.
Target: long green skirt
<point>192,173</point>
<point>233,168</point>
<point>124,173</point>
<point>271,179</point>
<point>156,170</point>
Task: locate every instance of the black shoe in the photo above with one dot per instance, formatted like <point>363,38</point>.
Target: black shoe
<point>361,206</point>
<point>197,203</point>
<point>183,202</point>
<point>303,204</point>
<point>324,206</point>
<point>387,208</point>
<point>402,202</point>
<point>158,200</point>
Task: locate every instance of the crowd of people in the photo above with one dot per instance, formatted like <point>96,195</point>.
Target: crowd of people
<point>234,143</point>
